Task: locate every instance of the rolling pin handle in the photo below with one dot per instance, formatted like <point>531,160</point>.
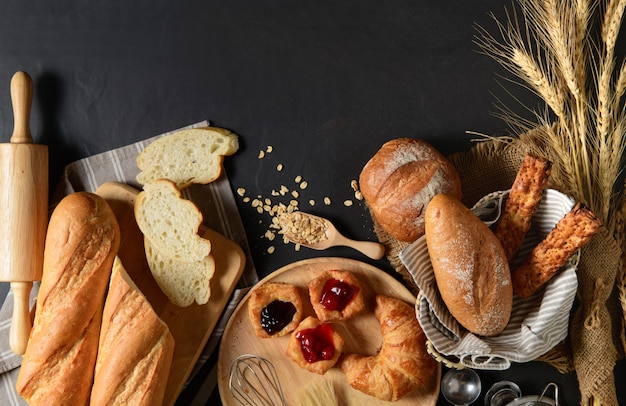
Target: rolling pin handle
<point>20,323</point>
<point>22,98</point>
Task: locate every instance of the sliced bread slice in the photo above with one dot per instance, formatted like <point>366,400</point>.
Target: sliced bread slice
<point>187,156</point>
<point>171,222</point>
<point>182,282</point>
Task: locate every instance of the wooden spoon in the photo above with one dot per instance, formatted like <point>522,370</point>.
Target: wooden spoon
<point>319,233</point>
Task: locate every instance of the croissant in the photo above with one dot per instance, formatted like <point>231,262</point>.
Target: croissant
<point>402,365</point>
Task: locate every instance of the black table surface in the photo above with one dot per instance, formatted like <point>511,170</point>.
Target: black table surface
<point>324,83</point>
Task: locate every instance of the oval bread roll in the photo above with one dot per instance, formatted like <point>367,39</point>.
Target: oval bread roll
<point>399,181</point>
<point>470,266</point>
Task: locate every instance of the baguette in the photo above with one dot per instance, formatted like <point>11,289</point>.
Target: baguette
<point>81,242</point>
<point>521,205</point>
<point>136,348</point>
<point>570,234</point>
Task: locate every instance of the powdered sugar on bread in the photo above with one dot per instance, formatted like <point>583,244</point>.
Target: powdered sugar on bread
<point>399,181</point>
<point>470,266</point>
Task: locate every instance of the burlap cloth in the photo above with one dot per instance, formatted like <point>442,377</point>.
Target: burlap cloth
<point>595,340</point>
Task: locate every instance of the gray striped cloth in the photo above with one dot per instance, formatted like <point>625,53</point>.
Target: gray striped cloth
<point>215,200</point>
<point>537,323</point>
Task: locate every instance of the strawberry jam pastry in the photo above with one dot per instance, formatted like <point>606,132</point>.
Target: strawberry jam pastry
<point>315,345</point>
<point>336,295</point>
<point>274,309</point>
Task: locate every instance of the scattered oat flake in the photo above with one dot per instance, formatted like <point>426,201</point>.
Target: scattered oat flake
<point>270,249</point>
<point>279,167</point>
<point>241,191</point>
<point>304,184</point>
<point>295,193</point>
<point>269,149</point>
<point>246,199</point>
<point>355,185</point>
<point>327,201</point>
<point>358,195</point>
<point>261,154</point>
<point>347,203</point>
<point>298,179</point>
<point>312,202</point>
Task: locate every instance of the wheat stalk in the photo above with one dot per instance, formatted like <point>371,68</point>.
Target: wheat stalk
<point>550,48</point>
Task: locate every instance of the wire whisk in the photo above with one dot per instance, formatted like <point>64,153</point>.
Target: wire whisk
<point>253,382</point>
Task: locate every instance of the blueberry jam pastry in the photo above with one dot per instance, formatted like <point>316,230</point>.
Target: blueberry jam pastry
<point>315,345</point>
<point>336,295</point>
<point>274,309</point>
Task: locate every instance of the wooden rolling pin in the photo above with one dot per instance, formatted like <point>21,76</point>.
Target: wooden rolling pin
<point>24,210</point>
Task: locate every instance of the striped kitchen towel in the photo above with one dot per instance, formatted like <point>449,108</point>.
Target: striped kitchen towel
<point>220,213</point>
<point>537,323</point>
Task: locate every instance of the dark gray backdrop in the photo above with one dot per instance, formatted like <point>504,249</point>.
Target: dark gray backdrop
<point>325,83</point>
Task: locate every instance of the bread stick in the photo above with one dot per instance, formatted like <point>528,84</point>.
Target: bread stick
<point>524,197</point>
<point>570,234</point>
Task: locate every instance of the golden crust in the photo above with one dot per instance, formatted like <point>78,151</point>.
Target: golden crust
<point>400,179</point>
<point>471,270</point>
<point>294,349</point>
<point>82,241</point>
<point>316,290</point>
<point>570,234</point>
<point>524,197</point>
<point>267,293</point>
<point>403,365</point>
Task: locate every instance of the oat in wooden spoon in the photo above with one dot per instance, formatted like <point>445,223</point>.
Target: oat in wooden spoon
<point>319,233</point>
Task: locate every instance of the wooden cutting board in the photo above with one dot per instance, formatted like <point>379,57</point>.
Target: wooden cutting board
<point>361,335</point>
<point>191,326</point>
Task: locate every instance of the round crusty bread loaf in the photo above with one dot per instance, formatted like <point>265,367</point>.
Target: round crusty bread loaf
<point>399,181</point>
<point>470,266</point>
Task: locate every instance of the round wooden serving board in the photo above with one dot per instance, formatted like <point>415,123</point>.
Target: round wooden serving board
<point>361,334</point>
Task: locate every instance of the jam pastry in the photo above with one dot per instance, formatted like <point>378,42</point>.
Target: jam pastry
<point>274,309</point>
<point>336,295</point>
<point>315,346</point>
